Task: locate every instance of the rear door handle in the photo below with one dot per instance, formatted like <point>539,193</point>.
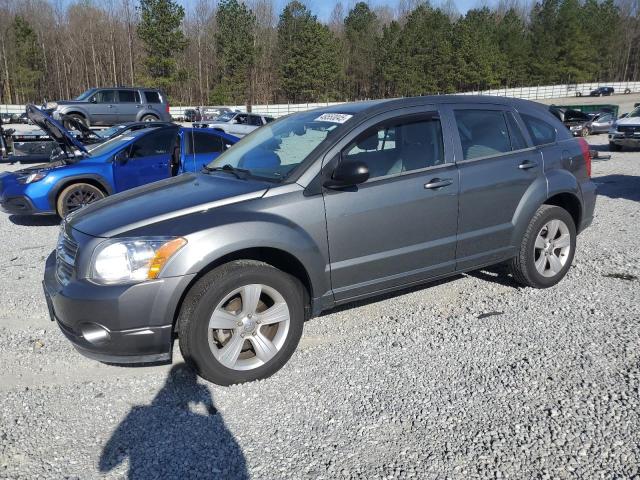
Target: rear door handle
<point>438,183</point>
<point>527,164</point>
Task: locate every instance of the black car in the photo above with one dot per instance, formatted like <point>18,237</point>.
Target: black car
<point>577,122</point>
<point>602,91</point>
<point>191,115</point>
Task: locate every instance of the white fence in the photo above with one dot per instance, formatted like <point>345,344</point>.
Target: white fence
<point>528,93</point>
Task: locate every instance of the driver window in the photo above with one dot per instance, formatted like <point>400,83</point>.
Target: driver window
<point>155,143</point>
<point>241,119</point>
<point>105,96</point>
<point>399,145</point>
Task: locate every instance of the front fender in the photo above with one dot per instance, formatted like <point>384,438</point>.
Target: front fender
<point>207,246</point>
<point>68,109</point>
<point>61,182</point>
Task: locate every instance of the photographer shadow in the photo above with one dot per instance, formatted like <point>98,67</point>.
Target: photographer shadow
<point>179,435</point>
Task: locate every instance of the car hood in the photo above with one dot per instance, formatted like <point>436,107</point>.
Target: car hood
<point>56,131</point>
<point>628,121</point>
<point>163,200</point>
<point>43,167</point>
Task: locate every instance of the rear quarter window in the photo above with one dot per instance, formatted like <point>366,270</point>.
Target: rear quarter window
<point>152,97</point>
<point>541,132</point>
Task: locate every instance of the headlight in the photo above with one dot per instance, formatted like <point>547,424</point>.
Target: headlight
<point>134,259</point>
<point>33,177</point>
<point>51,105</point>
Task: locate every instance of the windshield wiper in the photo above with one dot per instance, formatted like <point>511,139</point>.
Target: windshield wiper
<point>230,169</point>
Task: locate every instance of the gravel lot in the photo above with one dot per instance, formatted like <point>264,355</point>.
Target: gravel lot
<point>468,378</point>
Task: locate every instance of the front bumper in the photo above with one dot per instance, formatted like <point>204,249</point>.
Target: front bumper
<point>20,205</point>
<point>625,140</point>
<point>116,323</point>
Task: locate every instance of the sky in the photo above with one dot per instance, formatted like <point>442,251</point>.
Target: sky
<point>323,8</point>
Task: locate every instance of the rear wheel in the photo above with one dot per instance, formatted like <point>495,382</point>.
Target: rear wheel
<point>76,196</point>
<point>149,118</point>
<point>547,248</point>
<point>78,118</point>
<point>241,322</point>
<point>585,131</point>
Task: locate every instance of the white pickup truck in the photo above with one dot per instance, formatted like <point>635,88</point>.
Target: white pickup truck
<point>625,131</point>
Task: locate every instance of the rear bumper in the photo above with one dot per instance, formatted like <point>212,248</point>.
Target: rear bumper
<point>589,196</point>
<point>123,324</point>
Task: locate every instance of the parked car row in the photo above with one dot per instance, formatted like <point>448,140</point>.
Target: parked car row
<point>124,157</point>
<point>236,123</point>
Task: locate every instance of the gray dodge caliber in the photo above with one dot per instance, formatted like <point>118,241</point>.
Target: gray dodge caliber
<point>315,210</point>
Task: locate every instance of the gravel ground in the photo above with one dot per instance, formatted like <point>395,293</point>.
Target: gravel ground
<point>468,378</point>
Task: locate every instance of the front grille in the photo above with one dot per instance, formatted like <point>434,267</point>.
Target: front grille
<point>628,129</point>
<point>66,252</point>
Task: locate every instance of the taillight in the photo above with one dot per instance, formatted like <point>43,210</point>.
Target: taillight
<point>586,154</point>
<point>167,107</point>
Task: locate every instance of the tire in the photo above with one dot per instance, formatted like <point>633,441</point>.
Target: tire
<point>78,118</point>
<point>584,132</point>
<point>525,267</point>
<point>149,118</point>
<point>614,147</point>
<point>578,94</point>
<point>76,196</point>
<point>222,290</point>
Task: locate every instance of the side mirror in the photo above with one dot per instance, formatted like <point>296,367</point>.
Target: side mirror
<point>348,174</point>
<point>121,157</point>
<point>623,115</point>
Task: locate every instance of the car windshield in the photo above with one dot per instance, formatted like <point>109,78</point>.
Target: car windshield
<point>635,112</point>
<point>112,143</point>
<point>274,150</point>
<point>225,117</point>
<point>85,95</point>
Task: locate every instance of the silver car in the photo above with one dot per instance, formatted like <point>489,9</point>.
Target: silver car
<point>109,106</point>
<point>235,123</point>
<point>601,122</point>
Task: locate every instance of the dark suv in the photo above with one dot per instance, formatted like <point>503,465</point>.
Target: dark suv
<point>314,210</point>
<point>109,106</point>
<point>602,91</point>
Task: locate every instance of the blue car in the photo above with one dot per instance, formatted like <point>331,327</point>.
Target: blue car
<point>84,174</point>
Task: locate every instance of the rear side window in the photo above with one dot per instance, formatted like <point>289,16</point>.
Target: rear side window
<point>159,142</point>
<point>152,97</point>
<point>204,143</point>
<point>128,96</point>
<point>541,132</point>
<point>515,134</point>
<point>268,119</point>
<point>398,146</point>
<point>483,133</point>
<point>255,121</point>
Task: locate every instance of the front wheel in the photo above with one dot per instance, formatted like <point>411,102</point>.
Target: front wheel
<point>585,132</point>
<point>76,196</point>
<point>547,248</point>
<point>241,322</point>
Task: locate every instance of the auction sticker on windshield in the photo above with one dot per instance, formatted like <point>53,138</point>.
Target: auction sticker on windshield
<point>333,117</point>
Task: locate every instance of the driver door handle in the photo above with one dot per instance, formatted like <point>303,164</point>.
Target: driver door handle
<point>438,183</point>
<point>527,164</point>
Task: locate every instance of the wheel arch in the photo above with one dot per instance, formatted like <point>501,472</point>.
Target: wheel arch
<point>95,180</point>
<point>570,202</point>
<point>276,257</point>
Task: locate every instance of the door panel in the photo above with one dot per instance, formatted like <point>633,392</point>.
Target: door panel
<point>200,149</point>
<point>103,108</point>
<point>148,161</point>
<point>493,180</point>
<point>400,226</point>
<point>128,105</point>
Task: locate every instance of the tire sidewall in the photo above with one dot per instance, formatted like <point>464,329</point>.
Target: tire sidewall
<point>554,213</point>
<point>60,204</point>
<point>201,357</point>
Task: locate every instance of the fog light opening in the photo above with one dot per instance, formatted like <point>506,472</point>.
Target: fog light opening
<point>94,333</point>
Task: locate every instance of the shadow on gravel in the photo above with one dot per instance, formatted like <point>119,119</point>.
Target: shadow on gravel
<point>34,220</point>
<point>169,439</point>
<point>496,274</point>
<point>619,186</point>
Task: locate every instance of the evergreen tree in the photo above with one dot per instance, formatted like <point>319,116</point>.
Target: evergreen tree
<point>235,51</point>
<point>513,42</point>
<point>544,49</point>
<point>361,29</point>
<point>308,55</point>
<point>427,48</point>
<point>28,61</point>
<point>160,31</point>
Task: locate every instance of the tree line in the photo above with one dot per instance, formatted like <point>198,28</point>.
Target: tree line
<point>245,52</point>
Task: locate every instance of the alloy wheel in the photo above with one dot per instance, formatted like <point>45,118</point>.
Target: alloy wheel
<point>249,327</point>
<point>552,248</point>
<point>78,198</point>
